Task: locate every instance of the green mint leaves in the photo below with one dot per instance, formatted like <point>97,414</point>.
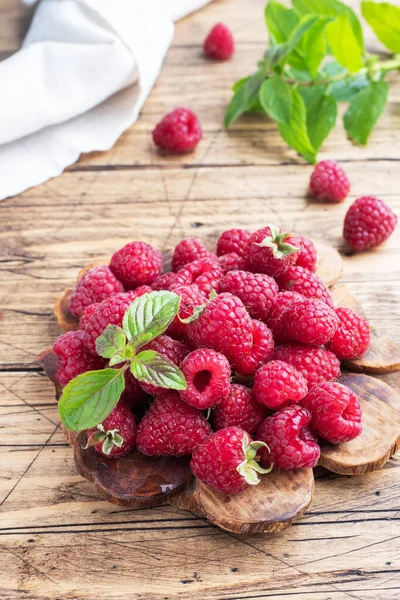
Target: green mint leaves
<point>317,58</point>
<point>89,398</point>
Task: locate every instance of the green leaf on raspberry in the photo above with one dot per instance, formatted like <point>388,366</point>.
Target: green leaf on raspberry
<point>151,367</point>
<point>364,111</point>
<point>250,466</point>
<point>112,344</point>
<point>197,311</point>
<point>89,398</point>
<point>384,19</point>
<point>276,241</point>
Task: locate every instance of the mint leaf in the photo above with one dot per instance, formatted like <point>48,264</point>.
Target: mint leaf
<point>344,44</point>
<point>384,19</point>
<point>151,367</point>
<point>321,114</point>
<point>89,398</point>
<point>244,98</point>
<point>295,132</point>
<point>344,91</point>
<point>364,111</point>
<point>298,32</point>
<point>276,99</point>
<point>313,45</point>
<point>280,21</point>
<point>112,344</point>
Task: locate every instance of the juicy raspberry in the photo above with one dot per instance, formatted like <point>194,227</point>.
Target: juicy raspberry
<point>274,257</point>
<point>310,322</point>
<point>368,223</point>
<point>164,281</point>
<point>178,131</point>
<point>315,364</point>
<point>187,251</point>
<point>232,262</point>
<point>329,182</point>
<point>352,337</point>
<point>120,421</point>
<point>335,411</point>
<point>136,264</point>
<point>223,459</point>
<point>207,374</point>
<point>205,273</point>
<point>280,303</point>
<point>238,409</point>
<point>87,314</point>
<point>172,349</point>
<point>190,297</point>
<point>292,444</point>
<point>301,280</point>
<point>256,291</point>
<point>73,358</point>
<point>133,395</point>
<point>247,363</point>
<point>219,44</point>
<point>233,240</point>
<point>307,256</point>
<point>171,427</point>
<point>278,383</point>
<point>96,285</point>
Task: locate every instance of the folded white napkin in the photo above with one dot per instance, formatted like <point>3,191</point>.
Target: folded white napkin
<point>80,79</point>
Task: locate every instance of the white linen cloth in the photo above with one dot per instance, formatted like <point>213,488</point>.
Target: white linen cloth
<point>80,79</point>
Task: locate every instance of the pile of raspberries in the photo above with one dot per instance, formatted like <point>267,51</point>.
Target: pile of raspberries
<point>261,360</point>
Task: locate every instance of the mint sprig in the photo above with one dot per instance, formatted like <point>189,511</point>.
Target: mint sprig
<point>317,58</point>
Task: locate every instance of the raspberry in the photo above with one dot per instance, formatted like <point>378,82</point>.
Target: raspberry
<point>205,273</point>
<point>73,358</point>
<point>238,409</point>
<point>329,182</point>
<point>232,262</point>
<point>187,251</point>
<point>171,427</point>
<point>315,364</point>
<point>164,281</point>
<point>172,349</point>
<point>116,435</point>
<point>247,363</point>
<point>233,240</point>
<point>292,444</point>
<point>190,297</point>
<point>277,383</point>
<point>335,411</point>
<point>271,251</point>
<point>207,374</point>
<point>179,131</point>
<point>352,337</point>
<point>133,395</point>
<point>310,322</point>
<point>368,223</point>
<point>256,291</point>
<point>301,280</point>
<point>307,256</point>
<point>280,303</point>
<point>96,285</point>
<point>227,461</point>
<point>136,264</point>
<point>219,44</point>
<point>87,314</point>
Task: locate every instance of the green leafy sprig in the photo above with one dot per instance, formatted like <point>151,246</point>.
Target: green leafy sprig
<point>317,58</point>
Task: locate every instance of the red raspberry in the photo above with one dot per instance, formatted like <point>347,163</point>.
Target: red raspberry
<point>256,291</point>
<point>278,383</point>
<point>271,251</point>
<point>238,409</point>
<point>110,312</point>
<point>133,395</point>
<point>292,444</point>
<point>280,303</point>
<point>315,364</point>
<point>310,322</point>
<point>368,223</point>
<point>233,240</point>
<point>136,264</point>
<point>116,434</point>
<point>352,337</point>
<point>307,256</point>
<point>96,285</point>
<point>164,281</point>
<point>187,251</point>
<point>172,349</point>
<point>335,411</point>
<point>87,314</point>
<point>227,461</point>
<point>207,374</point>
<point>301,280</point>
<point>171,427</point>
<point>190,297</point>
<point>205,273</point>
<point>73,358</point>
<point>219,44</point>
<point>247,363</point>
<point>179,131</point>
<point>232,262</point>
<point>329,182</point>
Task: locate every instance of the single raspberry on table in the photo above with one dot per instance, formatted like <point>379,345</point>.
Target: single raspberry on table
<point>187,251</point>
<point>352,337</point>
<point>116,435</point>
<point>291,442</point>
<point>178,131</point>
<point>335,412</point>
<point>271,250</point>
<point>171,349</point>
<point>190,297</point>
<point>238,409</point>
<point>329,182</point>
<point>368,222</point>
<point>307,256</point>
<point>207,374</point>
<point>280,304</point>
<point>227,461</point>
<point>87,314</point>
<point>262,350</point>
<point>256,290</point>
<point>309,322</point>
<point>233,240</point>
<point>204,272</point>
<point>219,43</point>
<point>136,264</point>
<point>73,358</point>
<point>96,285</point>
<point>301,280</point>
<point>277,383</point>
<point>172,427</point>
<point>232,262</point>
<point>315,364</point>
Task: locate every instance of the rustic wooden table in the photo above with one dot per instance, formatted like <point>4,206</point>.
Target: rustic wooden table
<point>59,540</point>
